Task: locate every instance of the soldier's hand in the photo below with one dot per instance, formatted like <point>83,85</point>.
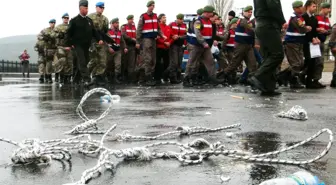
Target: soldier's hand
<point>164,37</point>
<point>111,50</point>
<point>215,43</point>
<point>125,50</point>
<point>137,46</point>
<point>101,42</point>
<point>309,28</point>
<point>206,46</point>
<point>167,44</point>
<point>134,39</point>
<point>67,48</point>
<point>175,37</point>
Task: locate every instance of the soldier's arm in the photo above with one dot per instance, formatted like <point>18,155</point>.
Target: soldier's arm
<point>199,36</point>
<point>275,7</point>
<point>95,33</point>
<point>106,25</point>
<point>299,25</point>
<point>122,42</point>
<point>40,35</point>
<point>159,30</point>
<point>139,30</point>
<point>69,33</point>
<point>125,36</point>
<point>244,23</point>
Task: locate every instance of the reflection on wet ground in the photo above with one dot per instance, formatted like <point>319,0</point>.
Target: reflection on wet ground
<point>30,110</point>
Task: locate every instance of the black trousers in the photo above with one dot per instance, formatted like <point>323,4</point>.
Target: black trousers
<point>80,64</point>
<point>162,63</point>
<point>313,67</point>
<point>272,52</point>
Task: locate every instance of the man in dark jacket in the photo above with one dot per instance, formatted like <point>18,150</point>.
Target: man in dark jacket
<point>269,19</point>
<point>312,65</point>
<point>79,36</point>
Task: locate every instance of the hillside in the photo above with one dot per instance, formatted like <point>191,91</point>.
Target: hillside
<point>11,47</point>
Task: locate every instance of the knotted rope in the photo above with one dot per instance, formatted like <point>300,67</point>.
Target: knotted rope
<point>296,112</point>
<point>180,131</point>
<point>90,125</point>
<point>41,152</point>
<point>193,153</point>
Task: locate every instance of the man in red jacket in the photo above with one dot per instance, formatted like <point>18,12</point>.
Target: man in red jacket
<point>162,51</point>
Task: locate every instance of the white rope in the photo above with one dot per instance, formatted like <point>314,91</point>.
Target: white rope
<point>180,131</point>
<point>191,153</point>
<point>296,112</point>
<point>41,152</point>
<point>90,125</point>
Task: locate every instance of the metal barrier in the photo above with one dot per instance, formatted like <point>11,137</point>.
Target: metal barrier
<point>15,67</point>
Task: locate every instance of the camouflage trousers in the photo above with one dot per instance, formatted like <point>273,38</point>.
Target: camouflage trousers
<point>63,61</point>
<point>113,65</point>
<point>149,55</point>
<point>98,58</point>
<point>45,64</point>
<point>176,57</point>
<point>41,62</point>
<point>199,54</point>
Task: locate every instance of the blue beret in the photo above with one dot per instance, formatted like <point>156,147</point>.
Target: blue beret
<point>65,15</point>
<point>100,4</point>
<point>52,21</point>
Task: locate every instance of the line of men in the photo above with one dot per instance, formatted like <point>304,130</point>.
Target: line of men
<point>153,51</point>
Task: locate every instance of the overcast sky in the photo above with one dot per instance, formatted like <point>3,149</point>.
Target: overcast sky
<point>22,17</point>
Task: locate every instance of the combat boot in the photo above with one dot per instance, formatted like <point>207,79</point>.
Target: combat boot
<point>187,82</point>
<point>174,80</point>
<point>41,79</point>
<point>315,84</point>
<point>283,77</point>
<point>56,77</point>
<point>61,79</point>
<point>214,81</point>
<point>333,81</point>
<point>28,75</point>
<point>295,83</point>
<point>118,79</point>
<point>50,81</point>
<point>150,81</point>
<point>23,75</point>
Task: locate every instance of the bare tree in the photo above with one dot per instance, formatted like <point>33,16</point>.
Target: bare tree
<point>222,7</point>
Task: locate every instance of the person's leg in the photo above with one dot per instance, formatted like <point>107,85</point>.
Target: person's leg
<point>273,54</point>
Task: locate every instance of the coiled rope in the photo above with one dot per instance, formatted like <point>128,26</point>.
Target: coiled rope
<point>296,112</point>
<point>192,153</point>
<point>90,125</point>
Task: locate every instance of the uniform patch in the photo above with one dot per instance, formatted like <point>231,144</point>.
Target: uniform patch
<point>197,25</point>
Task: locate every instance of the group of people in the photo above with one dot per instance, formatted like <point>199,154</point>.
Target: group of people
<point>91,50</point>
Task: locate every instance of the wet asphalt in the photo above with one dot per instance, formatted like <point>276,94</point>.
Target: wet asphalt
<point>32,110</point>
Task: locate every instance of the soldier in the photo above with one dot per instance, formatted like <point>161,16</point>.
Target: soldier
<point>229,41</point>
<point>231,15</point>
<point>115,50</point>
<point>98,54</point>
<point>148,30</point>
<point>201,39</point>
<point>332,45</point>
<point>324,30</point>
<point>45,67</point>
<point>220,32</point>
<point>39,48</point>
<point>294,39</point>
<point>129,34</point>
<point>179,35</point>
<point>63,62</point>
<point>244,42</point>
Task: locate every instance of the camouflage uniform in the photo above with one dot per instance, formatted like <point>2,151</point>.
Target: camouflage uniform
<point>98,53</point>
<point>45,67</point>
<point>39,48</point>
<point>63,62</point>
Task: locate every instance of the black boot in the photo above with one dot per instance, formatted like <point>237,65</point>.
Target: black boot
<point>187,82</point>
<point>56,77</point>
<point>333,81</point>
<point>150,81</point>
<point>100,80</point>
<point>118,79</point>
<point>24,76</point>
<point>41,79</point>
<point>284,77</point>
<point>295,83</point>
<point>174,80</point>
<point>28,75</point>
<point>50,81</point>
<point>315,84</point>
<point>61,78</point>
<point>214,81</point>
